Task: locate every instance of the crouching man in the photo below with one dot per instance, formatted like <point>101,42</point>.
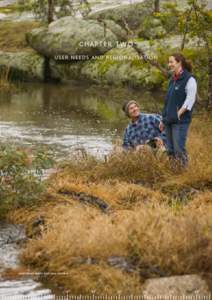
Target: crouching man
<point>143,129</point>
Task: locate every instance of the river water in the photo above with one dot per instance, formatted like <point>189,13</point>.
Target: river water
<point>65,118</point>
<point>68,117</point>
<point>16,289</point>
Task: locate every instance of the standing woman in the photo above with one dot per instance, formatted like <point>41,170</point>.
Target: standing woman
<point>177,111</point>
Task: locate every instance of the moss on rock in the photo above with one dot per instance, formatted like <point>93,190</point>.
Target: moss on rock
<point>122,67</point>
<point>26,66</point>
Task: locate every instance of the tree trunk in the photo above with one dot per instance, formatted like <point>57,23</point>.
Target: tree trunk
<point>210,81</point>
<point>157,6</point>
<point>50,11</point>
<point>47,70</point>
<point>186,28</point>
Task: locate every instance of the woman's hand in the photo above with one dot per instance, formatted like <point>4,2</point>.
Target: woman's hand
<point>161,126</point>
<point>181,111</point>
<point>178,114</point>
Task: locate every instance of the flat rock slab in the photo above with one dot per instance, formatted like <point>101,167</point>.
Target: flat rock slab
<point>176,286</point>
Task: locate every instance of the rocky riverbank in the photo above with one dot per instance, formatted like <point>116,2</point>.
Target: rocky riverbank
<point>99,48</point>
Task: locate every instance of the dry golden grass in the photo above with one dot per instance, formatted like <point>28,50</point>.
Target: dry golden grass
<point>149,169</point>
<point>158,218</point>
<point>150,235</point>
<point>12,35</point>
<point>98,279</point>
<point>5,84</point>
<point>114,193</point>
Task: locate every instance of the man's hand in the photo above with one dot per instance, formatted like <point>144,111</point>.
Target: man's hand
<point>142,148</point>
<point>161,126</point>
<point>139,147</point>
<point>159,142</point>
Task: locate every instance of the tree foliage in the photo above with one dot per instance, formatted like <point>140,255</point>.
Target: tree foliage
<point>196,22</point>
<point>51,9</point>
<point>193,23</point>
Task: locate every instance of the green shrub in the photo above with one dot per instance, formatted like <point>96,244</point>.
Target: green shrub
<point>21,173</point>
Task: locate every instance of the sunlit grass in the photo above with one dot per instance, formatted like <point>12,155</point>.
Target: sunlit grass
<point>158,218</point>
<point>12,35</point>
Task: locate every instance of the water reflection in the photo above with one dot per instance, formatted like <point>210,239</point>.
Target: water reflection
<point>67,116</point>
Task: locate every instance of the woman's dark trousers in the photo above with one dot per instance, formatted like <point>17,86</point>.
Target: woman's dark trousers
<point>176,135</point>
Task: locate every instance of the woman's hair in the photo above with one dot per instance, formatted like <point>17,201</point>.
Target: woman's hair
<point>185,64</point>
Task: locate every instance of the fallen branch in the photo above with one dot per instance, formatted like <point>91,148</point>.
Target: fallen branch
<point>83,197</point>
<point>151,61</point>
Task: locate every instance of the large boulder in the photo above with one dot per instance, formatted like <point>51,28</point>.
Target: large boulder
<point>129,14</point>
<point>67,71</point>
<point>119,66</point>
<point>76,37</point>
<point>27,66</point>
<point>176,287</point>
<point>122,65</point>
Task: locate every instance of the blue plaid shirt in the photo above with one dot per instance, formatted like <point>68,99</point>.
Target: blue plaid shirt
<point>144,129</point>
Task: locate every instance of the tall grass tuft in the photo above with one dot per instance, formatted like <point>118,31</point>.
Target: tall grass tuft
<point>5,84</point>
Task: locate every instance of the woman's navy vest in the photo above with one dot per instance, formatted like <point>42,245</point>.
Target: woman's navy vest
<point>175,98</point>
